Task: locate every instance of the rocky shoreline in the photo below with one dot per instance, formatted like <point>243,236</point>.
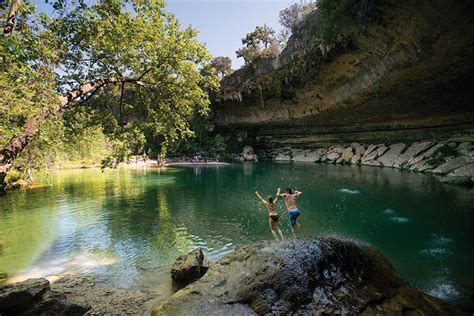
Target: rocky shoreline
<point>309,276</point>
<point>452,162</point>
<point>328,275</point>
<point>70,295</point>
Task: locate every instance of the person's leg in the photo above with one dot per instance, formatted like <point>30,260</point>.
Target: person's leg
<point>270,223</point>
<point>293,230</point>
<point>279,231</point>
<point>292,224</point>
<point>299,224</point>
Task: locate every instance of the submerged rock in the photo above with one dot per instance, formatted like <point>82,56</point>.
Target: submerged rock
<point>304,276</point>
<point>455,179</point>
<point>189,268</point>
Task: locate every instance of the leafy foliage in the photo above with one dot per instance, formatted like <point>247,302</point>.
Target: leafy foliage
<point>339,19</point>
<point>259,43</point>
<point>222,65</point>
<point>293,15</point>
<point>86,41</point>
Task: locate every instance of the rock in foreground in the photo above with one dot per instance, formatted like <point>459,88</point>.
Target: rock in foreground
<point>189,268</point>
<point>304,276</point>
<point>70,295</point>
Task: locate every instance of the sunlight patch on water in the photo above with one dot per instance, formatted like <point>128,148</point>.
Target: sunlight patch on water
<point>399,220</point>
<point>77,264</point>
<point>349,191</point>
<point>389,211</point>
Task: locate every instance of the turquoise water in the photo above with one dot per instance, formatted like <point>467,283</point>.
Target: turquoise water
<point>122,224</point>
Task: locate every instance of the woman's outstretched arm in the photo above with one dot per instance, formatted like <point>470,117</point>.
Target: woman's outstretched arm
<point>261,198</point>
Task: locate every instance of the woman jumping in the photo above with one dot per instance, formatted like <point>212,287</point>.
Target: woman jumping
<point>272,214</point>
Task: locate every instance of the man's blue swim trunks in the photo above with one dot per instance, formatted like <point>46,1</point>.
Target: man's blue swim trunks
<point>293,216</point>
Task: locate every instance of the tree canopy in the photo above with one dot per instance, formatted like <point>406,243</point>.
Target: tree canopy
<point>222,65</point>
<point>259,43</point>
<point>295,13</point>
<point>112,58</point>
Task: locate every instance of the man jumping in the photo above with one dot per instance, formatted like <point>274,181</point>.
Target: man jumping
<point>293,211</point>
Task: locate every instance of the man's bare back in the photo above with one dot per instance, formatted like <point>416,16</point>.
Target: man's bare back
<point>293,211</point>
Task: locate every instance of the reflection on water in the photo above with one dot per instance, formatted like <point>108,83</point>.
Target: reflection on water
<point>127,224</point>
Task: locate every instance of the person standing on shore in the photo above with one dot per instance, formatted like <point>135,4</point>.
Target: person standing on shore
<point>293,211</point>
<point>273,220</point>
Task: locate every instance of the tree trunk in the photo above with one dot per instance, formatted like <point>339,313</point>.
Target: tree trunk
<point>10,25</point>
<point>18,142</point>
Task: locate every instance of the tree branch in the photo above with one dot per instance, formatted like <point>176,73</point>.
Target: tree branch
<point>10,25</point>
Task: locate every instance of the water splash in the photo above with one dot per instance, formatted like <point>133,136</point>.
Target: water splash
<point>400,220</point>
<point>389,211</point>
<point>349,191</point>
<point>436,252</point>
<point>441,240</point>
<point>444,291</point>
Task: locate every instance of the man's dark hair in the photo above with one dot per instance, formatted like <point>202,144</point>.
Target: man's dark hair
<point>289,191</point>
<point>270,199</point>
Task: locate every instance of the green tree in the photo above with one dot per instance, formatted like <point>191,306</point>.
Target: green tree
<point>222,65</point>
<point>294,14</point>
<point>82,51</point>
<point>258,43</point>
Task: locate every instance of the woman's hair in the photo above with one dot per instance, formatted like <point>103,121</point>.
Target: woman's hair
<point>289,191</point>
<point>270,199</point>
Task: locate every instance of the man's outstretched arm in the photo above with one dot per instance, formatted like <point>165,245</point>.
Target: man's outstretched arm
<point>277,195</point>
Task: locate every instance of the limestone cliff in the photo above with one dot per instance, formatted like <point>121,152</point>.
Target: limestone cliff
<point>407,77</point>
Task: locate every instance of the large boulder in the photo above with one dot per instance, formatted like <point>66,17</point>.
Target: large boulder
<point>35,297</point>
<point>450,165</point>
<point>189,268</point>
<point>306,156</point>
<point>69,295</point>
<point>369,151</point>
<point>248,154</point>
<point>464,171</point>
<point>308,276</point>
<point>16,298</point>
<point>347,155</point>
<point>462,175</point>
<point>359,150</point>
<point>355,159</point>
<point>388,159</point>
<point>413,151</point>
<point>332,157</point>
<point>282,156</point>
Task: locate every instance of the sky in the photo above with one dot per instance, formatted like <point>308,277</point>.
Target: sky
<point>223,23</point>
